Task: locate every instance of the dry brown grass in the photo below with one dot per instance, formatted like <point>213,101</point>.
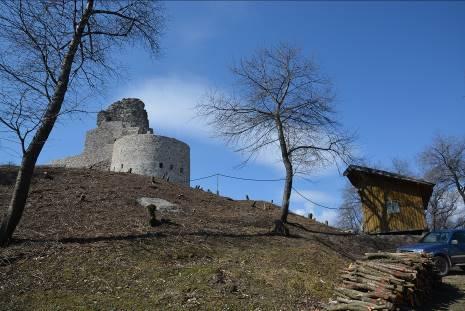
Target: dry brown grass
<point>84,243</point>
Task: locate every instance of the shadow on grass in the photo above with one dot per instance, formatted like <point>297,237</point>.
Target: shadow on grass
<point>168,222</point>
<point>88,240</point>
<point>327,242</point>
<point>335,248</point>
<point>148,235</point>
<point>206,233</point>
<point>297,225</point>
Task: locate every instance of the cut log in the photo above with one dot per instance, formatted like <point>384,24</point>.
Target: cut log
<point>386,281</point>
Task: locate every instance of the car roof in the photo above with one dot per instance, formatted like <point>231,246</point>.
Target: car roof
<point>448,230</point>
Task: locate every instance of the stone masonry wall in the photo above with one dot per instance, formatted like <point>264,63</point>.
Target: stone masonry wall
<point>152,155</point>
<point>128,110</point>
<point>124,142</point>
<point>124,117</point>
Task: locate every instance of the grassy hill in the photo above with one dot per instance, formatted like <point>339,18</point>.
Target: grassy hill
<point>84,243</point>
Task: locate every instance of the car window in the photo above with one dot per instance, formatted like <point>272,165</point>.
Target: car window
<point>459,236</point>
<point>436,237</point>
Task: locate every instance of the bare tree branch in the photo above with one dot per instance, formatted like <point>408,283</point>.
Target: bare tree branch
<point>444,164</point>
<point>50,49</point>
<point>281,98</point>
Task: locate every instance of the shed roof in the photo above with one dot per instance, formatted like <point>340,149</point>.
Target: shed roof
<point>355,174</point>
<point>371,171</point>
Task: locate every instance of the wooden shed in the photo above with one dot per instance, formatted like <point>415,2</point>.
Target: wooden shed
<point>391,203</point>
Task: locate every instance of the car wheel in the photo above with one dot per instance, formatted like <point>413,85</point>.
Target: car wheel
<point>442,265</point>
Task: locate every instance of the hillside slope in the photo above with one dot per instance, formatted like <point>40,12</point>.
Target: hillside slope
<point>85,243</point>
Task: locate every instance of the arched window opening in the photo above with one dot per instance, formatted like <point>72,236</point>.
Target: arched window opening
<point>160,165</point>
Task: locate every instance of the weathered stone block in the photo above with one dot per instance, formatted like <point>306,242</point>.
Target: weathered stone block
<point>161,205</point>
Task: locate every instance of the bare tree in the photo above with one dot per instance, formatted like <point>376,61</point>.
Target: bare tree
<point>402,167</point>
<point>50,48</point>
<point>443,209</point>
<point>280,100</point>
<point>444,163</point>
<point>350,212</point>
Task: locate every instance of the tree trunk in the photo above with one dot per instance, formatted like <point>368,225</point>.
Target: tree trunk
<point>434,220</point>
<point>461,192</point>
<point>23,179</point>
<point>18,201</point>
<point>287,191</point>
<point>289,173</point>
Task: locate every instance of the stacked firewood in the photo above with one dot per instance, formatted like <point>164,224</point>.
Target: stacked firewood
<point>386,281</point>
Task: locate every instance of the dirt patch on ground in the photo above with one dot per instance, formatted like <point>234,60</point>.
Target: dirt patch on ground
<point>85,243</point>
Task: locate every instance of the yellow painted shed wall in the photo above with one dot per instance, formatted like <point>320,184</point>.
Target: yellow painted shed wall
<point>376,219</point>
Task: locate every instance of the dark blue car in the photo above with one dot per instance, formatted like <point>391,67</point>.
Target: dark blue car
<point>447,247</point>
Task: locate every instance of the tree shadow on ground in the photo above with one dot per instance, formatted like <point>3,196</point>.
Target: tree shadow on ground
<point>444,296</point>
<point>89,240</point>
<point>207,233</point>
<point>169,222</point>
<point>335,248</point>
<point>297,225</point>
<point>327,242</point>
<point>148,235</point>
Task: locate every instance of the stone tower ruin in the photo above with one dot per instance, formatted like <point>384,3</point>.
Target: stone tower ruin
<point>124,142</point>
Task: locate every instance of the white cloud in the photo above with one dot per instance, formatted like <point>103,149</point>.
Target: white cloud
<point>329,215</point>
<point>315,195</point>
<point>270,156</point>
<point>302,207</point>
<point>300,211</point>
<point>319,213</point>
<point>170,104</point>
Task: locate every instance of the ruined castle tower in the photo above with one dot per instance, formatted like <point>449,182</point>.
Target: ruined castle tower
<point>124,142</point>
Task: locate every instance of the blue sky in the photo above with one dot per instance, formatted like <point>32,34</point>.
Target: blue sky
<point>398,70</point>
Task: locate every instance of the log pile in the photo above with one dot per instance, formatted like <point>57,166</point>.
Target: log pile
<point>386,281</point>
